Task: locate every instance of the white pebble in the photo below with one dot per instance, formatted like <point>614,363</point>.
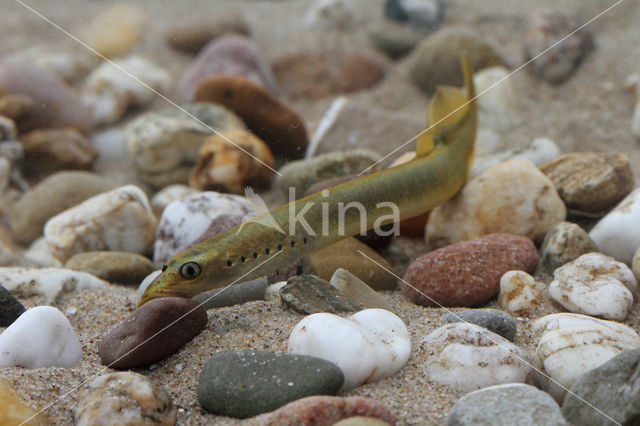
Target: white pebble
<point>118,220</point>
<point>112,89</point>
<point>168,195</point>
<point>39,254</point>
<point>47,282</point>
<point>539,151</point>
<point>594,284</point>
<point>520,292</point>
<point>469,357</point>
<point>495,106</point>
<point>40,337</point>
<point>618,234</point>
<point>273,291</point>
<point>379,338</point>
<point>333,15</point>
<point>145,283</point>
<point>573,344</point>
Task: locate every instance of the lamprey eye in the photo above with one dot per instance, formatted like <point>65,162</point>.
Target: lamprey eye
<point>190,270</point>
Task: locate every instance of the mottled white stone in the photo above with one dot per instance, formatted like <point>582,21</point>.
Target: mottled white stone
<point>618,234</point>
<point>495,105</point>
<point>118,220</point>
<point>68,65</point>
<point>379,338</point>
<point>46,282</point>
<point>572,344</point>
<point>513,197</point>
<point>520,292</point>
<point>539,151</point>
<point>469,357</point>
<point>193,218</point>
<point>40,337</point>
<point>595,284</point>
<point>333,15</point>
<point>112,89</point>
<point>565,242</point>
<point>168,195</point>
<point>39,254</point>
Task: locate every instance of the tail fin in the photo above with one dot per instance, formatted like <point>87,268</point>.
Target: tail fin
<point>449,108</point>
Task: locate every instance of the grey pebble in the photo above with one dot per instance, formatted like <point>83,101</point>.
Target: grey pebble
<point>492,319</point>
<point>308,294</point>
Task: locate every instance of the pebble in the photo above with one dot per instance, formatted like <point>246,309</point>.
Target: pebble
<point>281,128</point>
<point>469,357</point>
<point>125,398</point>
<point>520,292</point>
<point>8,130</point>
<point>233,295</point>
<point>315,75</point>
<point>232,166</point>
<point>51,196</point>
<point>115,30</point>
<point>246,382</point>
<point>493,320</point>
<point>232,55</point>
<point>617,234</point>
<point>39,255</point>
<point>40,337</point>
<point>361,421</point>
<point>145,283</point>
<point>192,35</point>
<point>54,103</point>
<point>349,125</point>
<point>113,88</point>
<point>164,144</point>
<point>22,109</point>
<point>308,294</point>
<point>112,266</point>
<point>612,387</point>
<point>333,15</point>
<point>436,60</point>
<point>572,344</point>
<point>346,254</point>
<point>50,150</point>
<point>152,332</point>
<point>505,405</point>
<point>324,411</point>
<point>273,291</point>
<point>635,264</point>
<point>394,39</point>
<point>423,14</point>
<point>380,339</point>
<point>529,205</point>
<point>590,182</point>
<point>495,106</point>
<point>194,219</point>
<point>15,411</point>
<point>595,284</point>
<point>10,307</point>
<point>68,65</point>
<point>46,282</point>
<point>168,195</point>
<point>302,174</point>
<point>356,289</point>
<point>563,243</point>
<point>467,273</point>
<point>546,27</point>
<point>118,220</point>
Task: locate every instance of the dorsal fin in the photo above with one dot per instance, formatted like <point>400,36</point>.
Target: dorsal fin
<point>446,110</point>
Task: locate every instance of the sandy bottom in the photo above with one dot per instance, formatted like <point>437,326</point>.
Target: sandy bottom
<point>592,111</point>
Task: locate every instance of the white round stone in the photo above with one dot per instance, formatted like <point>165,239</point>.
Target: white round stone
<point>40,337</point>
<point>520,292</point>
<point>379,338</point>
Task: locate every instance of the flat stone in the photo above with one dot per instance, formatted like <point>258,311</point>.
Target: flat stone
<point>307,294</point>
<point>353,287</point>
<point>114,267</point>
<point>233,295</point>
<point>613,387</point>
<point>492,319</point>
<point>505,405</point>
<point>152,332</point>
<point>124,398</point>
<point>245,382</point>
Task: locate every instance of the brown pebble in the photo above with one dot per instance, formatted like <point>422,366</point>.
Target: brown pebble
<point>324,411</point>
<point>50,150</point>
<point>272,121</point>
<point>467,273</point>
<point>141,339</point>
<point>112,266</point>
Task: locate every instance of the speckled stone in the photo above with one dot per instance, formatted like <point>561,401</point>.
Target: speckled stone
<point>467,273</point>
<point>565,242</point>
<point>246,382</point>
<point>141,339</point>
<point>124,398</point>
<point>591,182</point>
<point>15,410</point>
<point>492,319</point>
<point>307,294</point>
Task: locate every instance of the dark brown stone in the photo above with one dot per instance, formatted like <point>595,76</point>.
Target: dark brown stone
<point>152,332</point>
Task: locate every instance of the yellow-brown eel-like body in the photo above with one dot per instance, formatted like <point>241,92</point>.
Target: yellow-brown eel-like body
<point>249,251</point>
